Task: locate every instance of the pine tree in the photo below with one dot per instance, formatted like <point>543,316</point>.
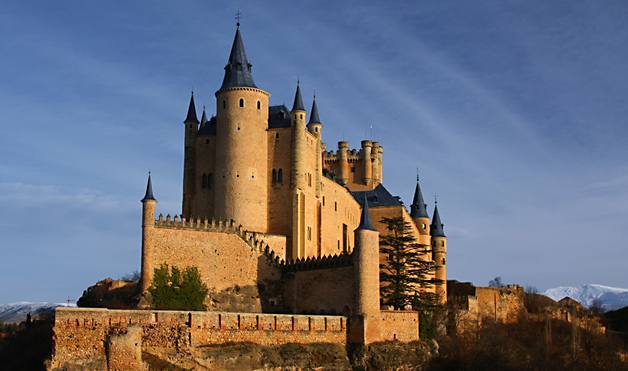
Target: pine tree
<point>406,271</point>
<point>175,289</point>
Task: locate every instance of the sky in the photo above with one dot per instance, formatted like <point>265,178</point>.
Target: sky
<point>514,112</point>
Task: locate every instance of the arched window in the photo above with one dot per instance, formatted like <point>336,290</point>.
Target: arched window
<point>224,103</point>
<point>280,176</point>
<point>443,261</point>
<point>241,102</point>
<point>210,180</point>
<point>259,105</point>
<point>274,176</point>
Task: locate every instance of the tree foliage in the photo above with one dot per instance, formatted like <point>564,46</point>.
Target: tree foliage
<point>176,289</point>
<point>407,271</point>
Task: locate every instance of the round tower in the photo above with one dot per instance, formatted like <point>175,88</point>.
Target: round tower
<point>439,255</point>
<point>365,327</point>
<point>315,127</point>
<point>148,224</point>
<point>376,165</point>
<point>298,180</point>
<point>241,144</point>
<point>343,161</point>
<point>189,158</point>
<point>418,212</point>
<point>367,166</point>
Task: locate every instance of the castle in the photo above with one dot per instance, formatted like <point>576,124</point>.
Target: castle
<point>264,172</point>
<point>284,233</point>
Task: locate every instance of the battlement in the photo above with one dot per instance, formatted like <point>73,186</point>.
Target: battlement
<point>253,239</point>
<point>324,262</point>
<point>86,334</point>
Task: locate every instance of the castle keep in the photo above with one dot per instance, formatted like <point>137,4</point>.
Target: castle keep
<point>284,232</point>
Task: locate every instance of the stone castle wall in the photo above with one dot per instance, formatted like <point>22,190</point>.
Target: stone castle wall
<point>241,275</point>
<point>92,337</point>
<point>322,290</point>
<point>399,325</point>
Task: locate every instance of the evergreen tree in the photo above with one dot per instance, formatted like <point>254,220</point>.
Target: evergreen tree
<point>175,289</point>
<point>406,271</point>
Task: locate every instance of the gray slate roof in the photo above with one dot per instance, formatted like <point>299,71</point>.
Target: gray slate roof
<point>191,116</point>
<point>314,119</point>
<point>238,70</point>
<point>377,197</point>
<point>149,190</point>
<point>365,218</point>
<point>418,209</point>
<point>278,117</point>
<point>437,228</point>
<point>298,101</point>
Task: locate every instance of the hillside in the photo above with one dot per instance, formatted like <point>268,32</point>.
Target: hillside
<point>610,298</point>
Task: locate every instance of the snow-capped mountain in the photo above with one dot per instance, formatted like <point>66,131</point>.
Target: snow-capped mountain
<point>16,312</point>
<point>611,298</point>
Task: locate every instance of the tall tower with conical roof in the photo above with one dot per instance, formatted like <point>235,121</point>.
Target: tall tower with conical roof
<point>298,176</point>
<point>148,222</point>
<point>439,254</point>
<point>241,191</point>
<point>189,158</point>
<point>365,327</point>
<point>418,212</point>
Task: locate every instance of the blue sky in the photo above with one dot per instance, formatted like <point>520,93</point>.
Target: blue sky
<point>514,111</point>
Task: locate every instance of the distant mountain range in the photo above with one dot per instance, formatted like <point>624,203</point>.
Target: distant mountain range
<point>611,298</point>
<point>16,312</point>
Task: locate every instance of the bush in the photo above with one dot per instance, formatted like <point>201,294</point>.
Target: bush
<point>177,290</point>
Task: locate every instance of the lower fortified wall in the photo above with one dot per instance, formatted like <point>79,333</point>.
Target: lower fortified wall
<point>102,338</point>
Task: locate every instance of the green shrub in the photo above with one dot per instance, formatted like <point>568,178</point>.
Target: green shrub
<point>178,290</point>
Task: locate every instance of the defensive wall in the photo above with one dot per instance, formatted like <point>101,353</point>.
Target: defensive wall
<point>100,338</point>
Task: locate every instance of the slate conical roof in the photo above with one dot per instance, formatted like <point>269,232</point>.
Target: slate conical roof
<point>149,191</point>
<point>238,69</point>
<point>418,209</point>
<point>204,117</point>
<point>314,119</point>
<point>191,117</point>
<point>437,227</point>
<point>365,219</point>
<point>298,101</point>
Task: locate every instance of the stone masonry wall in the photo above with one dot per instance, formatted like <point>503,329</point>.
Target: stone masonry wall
<point>399,325</point>
<point>239,277</point>
<point>88,336</point>
<point>323,290</point>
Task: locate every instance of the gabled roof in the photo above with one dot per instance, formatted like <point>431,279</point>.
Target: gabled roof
<point>377,197</point>
<point>238,71</point>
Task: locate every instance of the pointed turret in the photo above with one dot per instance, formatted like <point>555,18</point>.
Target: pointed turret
<point>365,218</point>
<point>149,190</point>
<point>437,227</point>
<point>314,119</point>
<point>204,117</point>
<point>298,101</point>
<point>418,209</point>
<point>238,70</point>
<point>191,117</point>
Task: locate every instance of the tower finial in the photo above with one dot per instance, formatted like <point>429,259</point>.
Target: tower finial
<point>435,199</point>
<point>237,18</point>
<point>417,174</point>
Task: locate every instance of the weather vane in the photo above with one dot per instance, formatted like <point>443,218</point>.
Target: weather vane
<point>237,18</point>
<point>435,199</point>
<point>417,174</point>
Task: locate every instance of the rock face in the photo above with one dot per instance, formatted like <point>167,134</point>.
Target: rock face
<point>110,293</point>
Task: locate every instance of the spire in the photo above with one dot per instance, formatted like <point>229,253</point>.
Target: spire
<point>191,118</point>
<point>204,117</point>
<point>149,190</point>
<point>365,219</point>
<point>238,69</point>
<point>437,227</point>
<point>418,209</point>
<point>298,101</point>
<point>314,113</point>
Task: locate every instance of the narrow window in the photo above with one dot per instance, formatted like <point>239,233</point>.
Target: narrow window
<point>323,200</point>
<point>353,169</point>
<point>210,180</point>
<point>274,176</point>
<point>335,206</point>
<point>280,176</point>
<point>224,104</point>
<point>259,105</point>
<point>443,261</point>
<point>206,141</point>
<point>277,136</point>
<point>301,116</point>
<point>204,181</point>
<point>241,102</point>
